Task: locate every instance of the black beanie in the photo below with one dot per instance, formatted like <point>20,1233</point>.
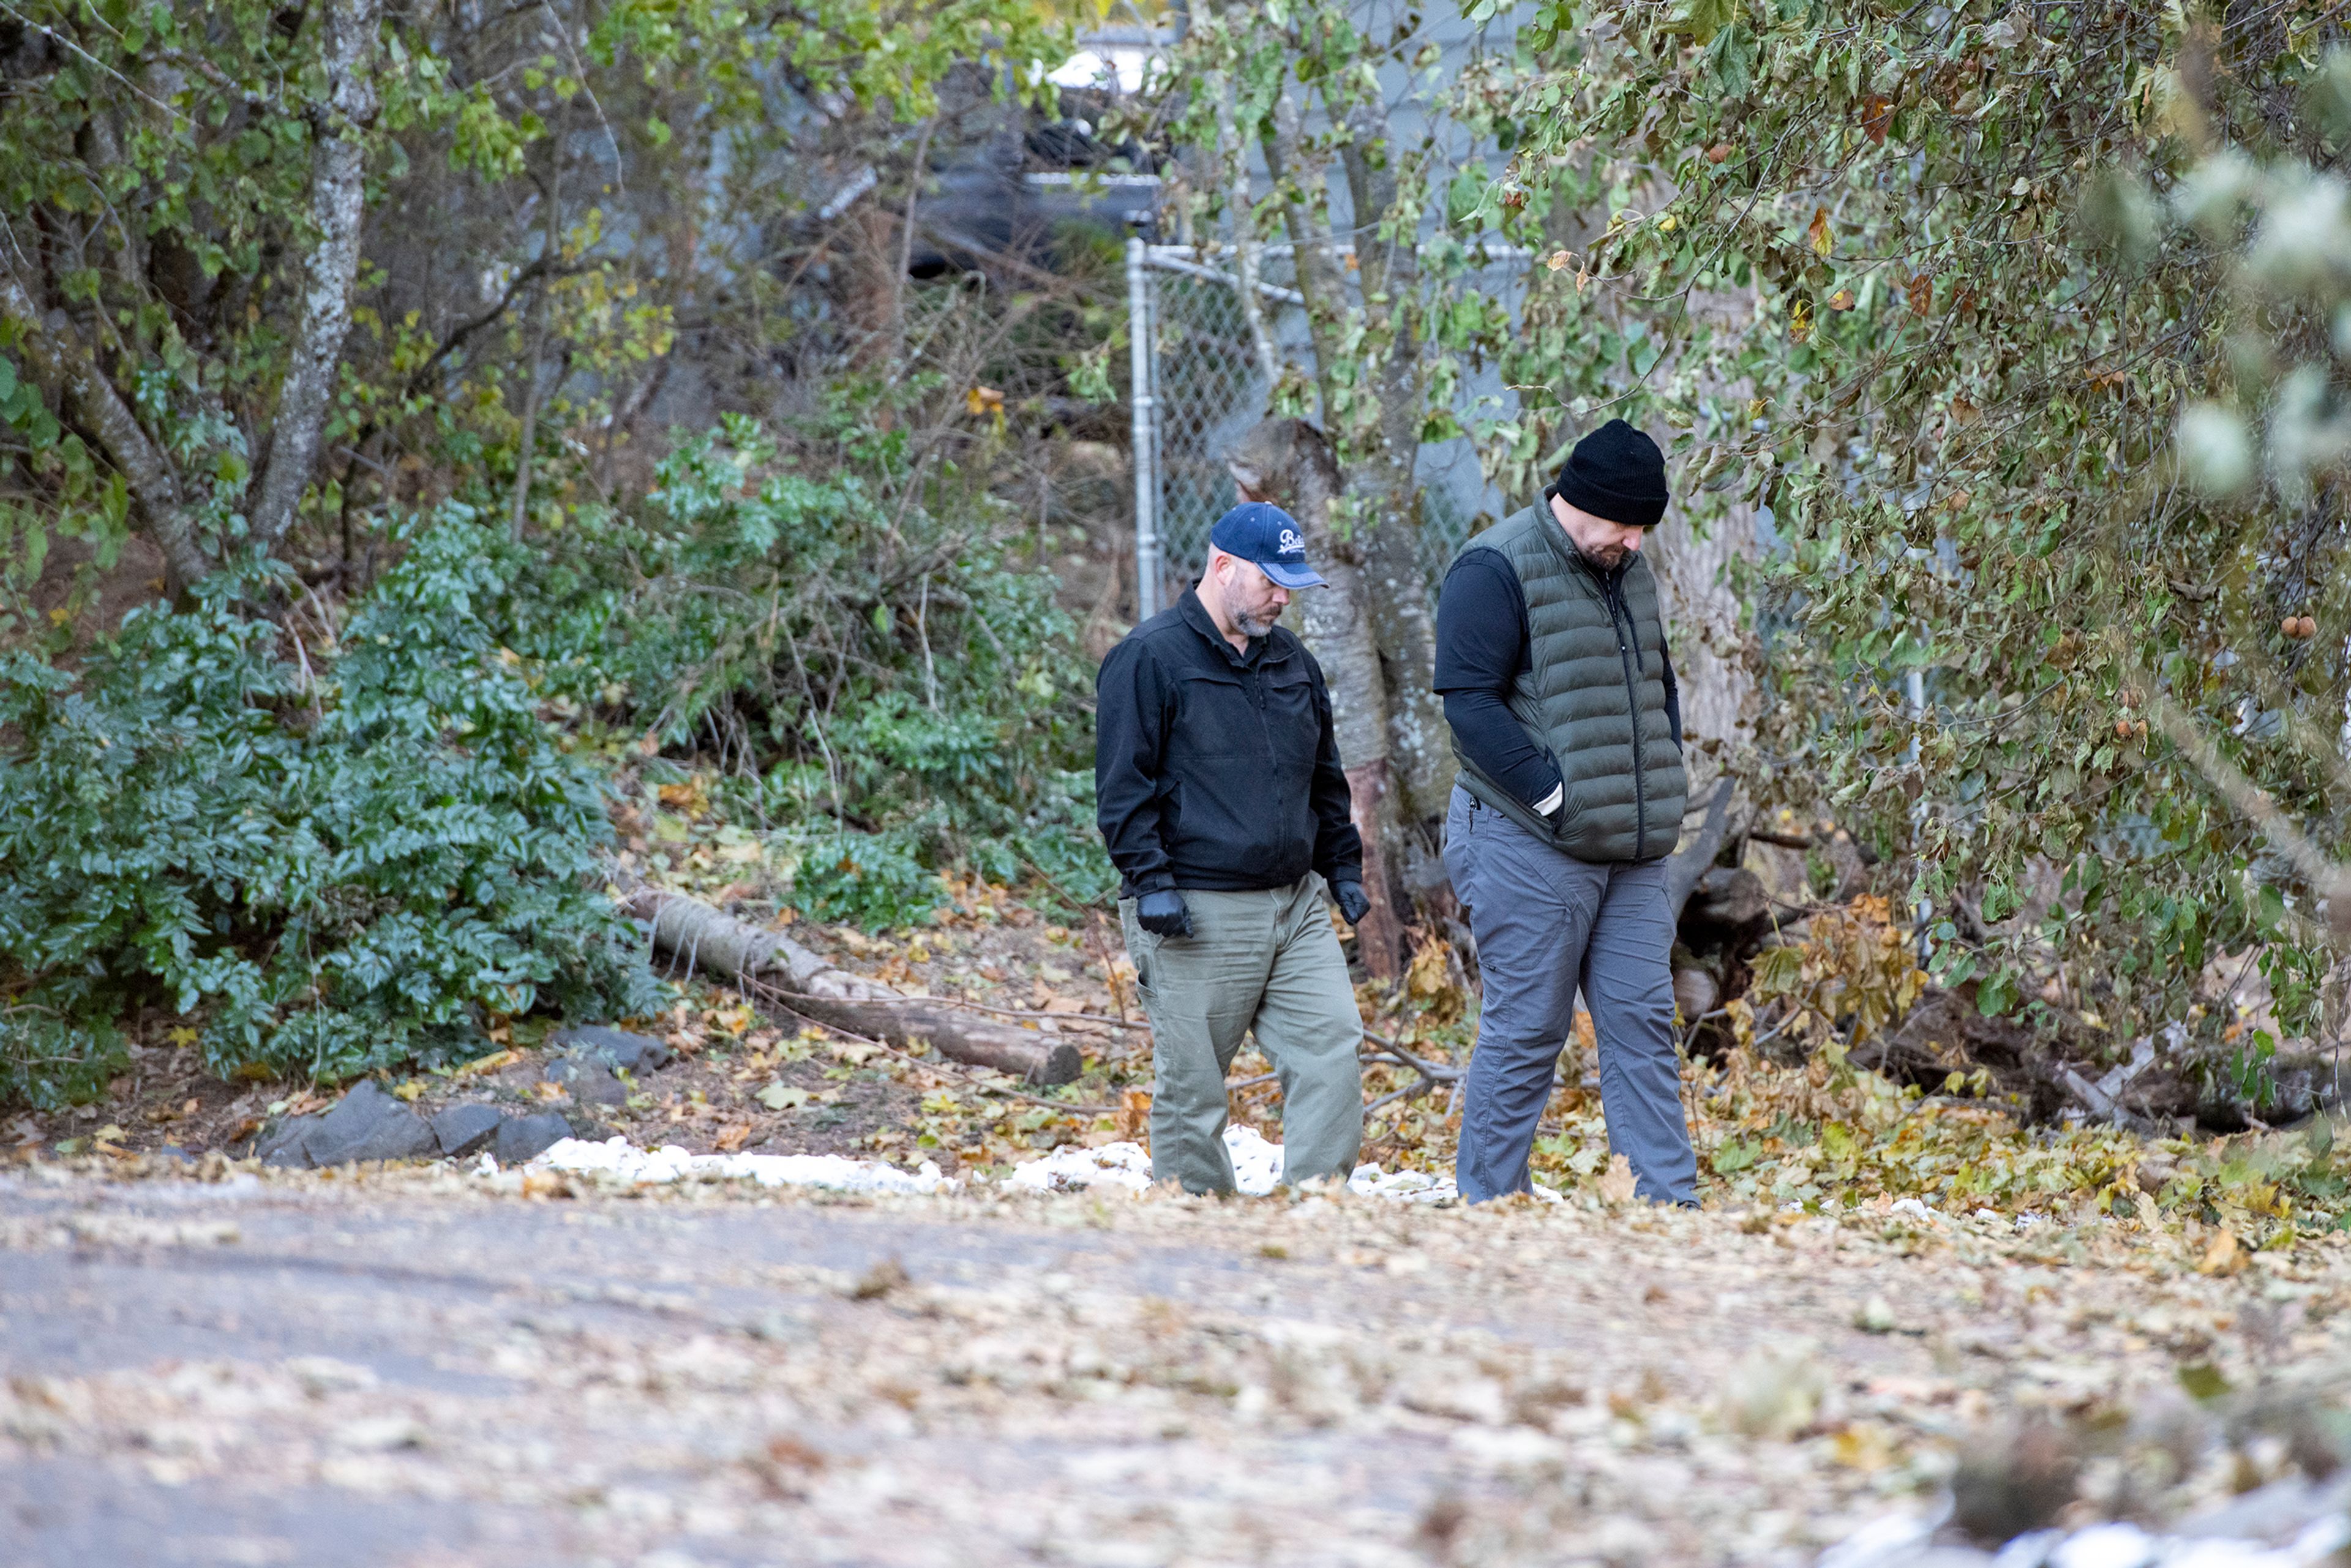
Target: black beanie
<point>1618,473</point>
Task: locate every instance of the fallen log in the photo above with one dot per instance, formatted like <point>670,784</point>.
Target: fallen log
<point>695,937</point>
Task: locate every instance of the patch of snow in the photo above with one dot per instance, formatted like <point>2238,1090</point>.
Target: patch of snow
<point>1257,1170</point>
<point>1899,1541</point>
<point>618,1158</point>
<point>1911,1208</point>
<point>1072,1168</point>
<point>1121,1166</point>
<point>1885,1540</point>
<point>1405,1187</point>
<point>2105,1546</point>
<point>1257,1165</point>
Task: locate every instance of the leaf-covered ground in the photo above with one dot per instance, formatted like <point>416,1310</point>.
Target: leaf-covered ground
<point>1815,1135</point>
<point>425,1367</point>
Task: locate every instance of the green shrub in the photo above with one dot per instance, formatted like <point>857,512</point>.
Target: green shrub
<point>854,623</point>
<point>324,872</point>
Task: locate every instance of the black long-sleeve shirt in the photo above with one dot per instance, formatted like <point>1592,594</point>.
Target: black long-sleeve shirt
<point>1216,768</point>
<point>1482,638</point>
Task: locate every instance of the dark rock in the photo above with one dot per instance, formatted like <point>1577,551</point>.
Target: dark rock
<point>464,1129</point>
<point>588,1080</point>
<point>1729,909</point>
<point>616,1048</point>
<point>282,1145</point>
<point>2013,1481</point>
<point>369,1124</point>
<point>520,1138</point>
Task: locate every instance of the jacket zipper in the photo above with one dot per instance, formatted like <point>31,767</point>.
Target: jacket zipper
<point>1609,592</point>
<point>1264,723</point>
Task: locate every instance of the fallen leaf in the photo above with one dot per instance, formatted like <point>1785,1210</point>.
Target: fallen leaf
<point>789,1451</point>
<point>541,1183</point>
<point>879,1281</point>
<point>1616,1184</point>
<point>1868,1449</point>
<point>2202,1380</point>
<point>489,1063</point>
<point>731,1137</point>
<point>1133,1114</point>
<point>782,1097</point>
<point>2224,1256</point>
<point>411,1091</point>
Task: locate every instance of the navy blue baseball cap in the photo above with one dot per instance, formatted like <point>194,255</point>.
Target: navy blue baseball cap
<point>1268,538</point>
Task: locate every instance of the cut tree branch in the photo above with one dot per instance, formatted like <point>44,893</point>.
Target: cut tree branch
<point>696,937</point>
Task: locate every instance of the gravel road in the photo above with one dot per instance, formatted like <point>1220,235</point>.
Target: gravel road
<point>412,1369</point>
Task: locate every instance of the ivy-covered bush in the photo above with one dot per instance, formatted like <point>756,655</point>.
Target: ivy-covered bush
<point>326,858</point>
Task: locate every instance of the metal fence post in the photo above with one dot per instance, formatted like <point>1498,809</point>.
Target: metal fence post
<point>1146,467</point>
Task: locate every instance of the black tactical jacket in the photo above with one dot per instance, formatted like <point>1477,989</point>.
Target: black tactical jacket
<point>1217,770</point>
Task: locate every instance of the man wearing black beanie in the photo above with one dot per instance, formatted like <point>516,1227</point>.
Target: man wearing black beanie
<point>1551,656</point>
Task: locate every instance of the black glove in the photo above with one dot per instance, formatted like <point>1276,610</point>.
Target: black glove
<point>1162,913</point>
<point>1353,903</point>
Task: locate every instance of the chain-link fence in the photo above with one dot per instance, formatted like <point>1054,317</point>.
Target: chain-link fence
<point>1200,388</point>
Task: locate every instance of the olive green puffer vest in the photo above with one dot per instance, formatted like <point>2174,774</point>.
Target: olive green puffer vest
<point>1594,694</point>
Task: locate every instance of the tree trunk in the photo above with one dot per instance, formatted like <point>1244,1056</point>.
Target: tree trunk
<point>1402,617</point>
<point>696,937</point>
<point>337,202</point>
<point>1418,770</point>
<point>63,368</point>
<point>1701,612</point>
<point>1289,462</point>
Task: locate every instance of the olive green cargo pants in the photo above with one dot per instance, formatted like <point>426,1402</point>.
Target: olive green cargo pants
<point>1264,961</point>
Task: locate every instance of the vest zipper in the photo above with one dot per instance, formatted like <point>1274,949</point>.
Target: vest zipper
<point>1609,587</point>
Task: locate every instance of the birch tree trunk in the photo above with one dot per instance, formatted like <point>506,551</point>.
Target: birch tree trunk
<point>338,200</point>
<point>1289,462</point>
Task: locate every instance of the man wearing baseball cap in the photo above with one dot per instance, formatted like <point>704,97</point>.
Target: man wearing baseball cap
<point>1220,795</point>
<point>1551,656</point>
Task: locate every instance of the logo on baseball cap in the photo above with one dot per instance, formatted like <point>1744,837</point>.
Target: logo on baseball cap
<point>1270,539</point>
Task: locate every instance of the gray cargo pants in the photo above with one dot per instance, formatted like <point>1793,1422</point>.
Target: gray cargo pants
<point>1546,925</point>
<point>1266,961</point>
